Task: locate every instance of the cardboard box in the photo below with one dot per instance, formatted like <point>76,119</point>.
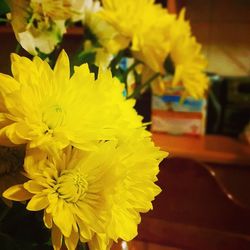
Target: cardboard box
<point>172,115</point>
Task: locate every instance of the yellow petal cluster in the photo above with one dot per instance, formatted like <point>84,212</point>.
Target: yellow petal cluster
<point>34,27</point>
<point>50,110</point>
<point>142,24</point>
<point>190,64</point>
<point>91,165</point>
<point>108,42</point>
<point>94,197</point>
<point>154,34</point>
<point>40,25</point>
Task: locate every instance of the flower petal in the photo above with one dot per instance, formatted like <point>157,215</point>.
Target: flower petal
<point>100,242</point>
<point>8,84</point>
<point>38,202</point>
<point>47,219</point>
<point>33,187</point>
<point>62,69</point>
<point>72,241</point>
<point>17,193</point>
<point>63,218</point>
<point>19,65</point>
<point>56,237</point>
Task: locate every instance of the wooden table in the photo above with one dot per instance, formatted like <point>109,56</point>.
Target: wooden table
<point>205,199</point>
<point>140,245</point>
<point>209,148</point>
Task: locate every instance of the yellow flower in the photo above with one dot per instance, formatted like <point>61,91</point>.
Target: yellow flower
<point>37,26</point>
<point>11,165</point>
<point>108,42</point>
<point>189,62</point>
<point>143,24</point>
<point>47,109</point>
<point>94,197</point>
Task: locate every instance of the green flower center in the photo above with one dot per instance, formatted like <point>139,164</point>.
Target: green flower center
<point>71,186</point>
<point>54,116</point>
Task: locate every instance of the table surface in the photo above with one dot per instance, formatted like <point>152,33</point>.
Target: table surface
<point>208,148</point>
<point>140,245</point>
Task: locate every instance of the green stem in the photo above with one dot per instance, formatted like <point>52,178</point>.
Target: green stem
<point>131,67</point>
<point>143,87</point>
<point>3,20</point>
<point>18,47</point>
<point>116,60</point>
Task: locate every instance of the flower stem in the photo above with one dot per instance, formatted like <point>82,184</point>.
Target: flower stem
<point>116,60</point>
<point>133,66</point>
<point>3,20</point>
<point>18,47</point>
<point>143,86</point>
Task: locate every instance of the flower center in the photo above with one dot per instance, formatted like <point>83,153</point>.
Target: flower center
<point>71,186</point>
<point>54,10</point>
<point>53,116</point>
<point>36,20</point>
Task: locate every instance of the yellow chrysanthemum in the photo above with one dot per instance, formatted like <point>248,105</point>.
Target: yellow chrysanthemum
<point>143,24</point>
<point>40,24</point>
<point>108,42</point>
<point>93,197</point>
<point>47,109</point>
<point>11,165</point>
<point>189,62</point>
<point>37,26</point>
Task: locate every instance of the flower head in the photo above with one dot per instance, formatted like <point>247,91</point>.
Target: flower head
<point>37,26</point>
<point>189,62</point>
<point>146,30</point>
<point>40,24</point>
<point>50,110</point>
<point>104,38</point>
<point>93,196</point>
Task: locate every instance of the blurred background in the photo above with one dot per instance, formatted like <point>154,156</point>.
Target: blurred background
<point>205,203</point>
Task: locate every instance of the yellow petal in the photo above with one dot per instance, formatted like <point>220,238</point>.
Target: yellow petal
<point>100,242</point>
<point>17,193</point>
<point>62,69</point>
<point>8,84</point>
<point>63,218</point>
<point>56,237</point>
<point>47,219</point>
<point>11,133</point>
<point>85,231</point>
<point>72,241</point>
<point>38,202</point>
<point>19,65</point>
<point>4,140</point>
<point>33,187</point>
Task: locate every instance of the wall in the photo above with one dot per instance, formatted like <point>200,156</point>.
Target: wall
<point>223,27</point>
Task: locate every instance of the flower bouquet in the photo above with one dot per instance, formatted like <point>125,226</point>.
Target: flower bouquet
<point>77,164</point>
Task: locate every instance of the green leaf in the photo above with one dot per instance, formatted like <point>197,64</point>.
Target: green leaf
<point>85,57</point>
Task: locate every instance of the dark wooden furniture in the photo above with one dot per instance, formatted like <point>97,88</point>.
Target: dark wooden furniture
<point>205,202</point>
